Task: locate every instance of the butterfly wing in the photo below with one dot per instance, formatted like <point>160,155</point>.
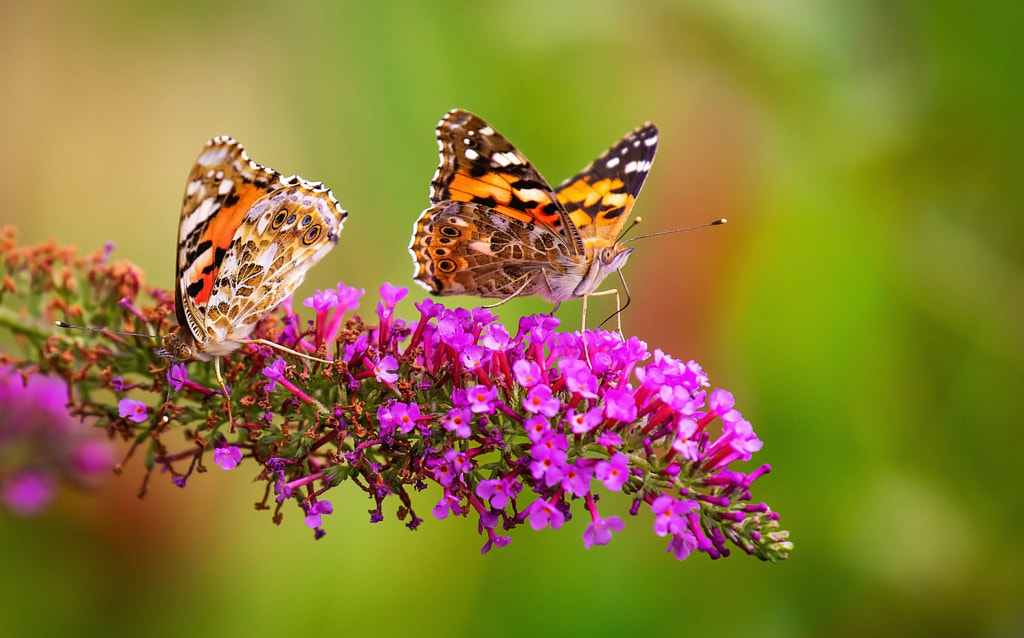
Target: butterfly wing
<point>223,191</point>
<point>600,197</point>
<point>465,248</point>
<point>479,165</point>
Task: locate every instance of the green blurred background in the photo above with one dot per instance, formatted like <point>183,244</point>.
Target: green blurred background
<point>864,303</point>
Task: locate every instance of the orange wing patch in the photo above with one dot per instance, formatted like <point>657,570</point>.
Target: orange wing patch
<point>219,233</point>
<point>602,203</point>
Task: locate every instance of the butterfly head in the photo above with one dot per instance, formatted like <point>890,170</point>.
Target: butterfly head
<point>175,348</point>
<point>605,257</point>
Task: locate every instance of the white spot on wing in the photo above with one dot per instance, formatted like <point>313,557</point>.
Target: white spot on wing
<point>506,159</point>
<point>651,141</point>
<point>225,187</point>
<point>612,163</point>
<point>471,154</point>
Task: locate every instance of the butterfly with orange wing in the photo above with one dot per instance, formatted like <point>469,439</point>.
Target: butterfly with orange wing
<point>496,229</point>
<point>246,239</point>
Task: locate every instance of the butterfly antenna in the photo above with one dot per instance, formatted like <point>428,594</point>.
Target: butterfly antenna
<point>717,222</point>
<point>625,289</point>
<point>636,222</point>
<point>61,324</point>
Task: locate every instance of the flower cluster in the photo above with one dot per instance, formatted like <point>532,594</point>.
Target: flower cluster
<point>512,427</point>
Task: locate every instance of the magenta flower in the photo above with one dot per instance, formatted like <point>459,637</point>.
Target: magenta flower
<point>457,420</point>
<point>482,399</point>
<point>542,514</point>
<point>274,372</point>
<point>498,491</point>
<point>549,459</point>
<point>671,515</point>
<point>448,503</point>
<point>405,416</point>
<point>28,493</point>
<point>614,472</point>
<point>132,410</point>
<point>527,372</point>
<point>576,479</point>
<point>586,421</point>
<point>386,370</point>
<point>177,376</point>
<point>539,400</point>
<point>316,511</point>
<point>227,457</point>
<point>599,531</point>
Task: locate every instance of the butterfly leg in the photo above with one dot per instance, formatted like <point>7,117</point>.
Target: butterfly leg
<point>513,295</point>
<point>618,308</point>
<point>277,346</point>
<point>224,389</point>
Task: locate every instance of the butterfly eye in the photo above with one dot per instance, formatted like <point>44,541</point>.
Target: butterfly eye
<point>450,231</point>
<point>279,219</point>
<point>311,235</point>
<point>446,265</point>
<point>291,219</point>
<point>306,220</point>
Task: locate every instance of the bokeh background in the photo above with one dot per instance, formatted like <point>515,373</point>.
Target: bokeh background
<point>864,303</point>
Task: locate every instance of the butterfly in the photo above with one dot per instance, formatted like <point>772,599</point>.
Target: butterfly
<point>496,229</point>
<point>246,239</point>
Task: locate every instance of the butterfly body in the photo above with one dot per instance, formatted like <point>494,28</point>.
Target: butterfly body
<point>496,229</point>
<point>246,239</point>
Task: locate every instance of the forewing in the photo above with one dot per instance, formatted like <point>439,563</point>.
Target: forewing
<point>600,197</point>
<point>479,165</point>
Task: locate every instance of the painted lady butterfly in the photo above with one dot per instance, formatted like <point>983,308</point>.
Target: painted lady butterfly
<point>497,230</point>
<point>246,239</point>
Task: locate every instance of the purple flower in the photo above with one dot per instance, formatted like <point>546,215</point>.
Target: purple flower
<point>474,357</point>
<point>549,459</point>
<point>586,421</point>
<point>671,514</point>
<point>118,384</point>
<point>495,337</point>
<point>540,401</point>
<point>227,457</point>
<point>92,457</point>
<point>482,399</point>
<point>682,544</point>
<point>458,461</point>
<point>457,420</point>
<point>446,504</point>
<point>576,479</point>
<point>405,416</point>
<point>599,531</point>
<point>322,300</point>
<point>526,372</point>
<point>537,428</point>
<point>613,472</point>
<point>132,409</point>
<point>28,493</point>
<point>498,491</point>
<point>619,405</point>
<point>542,514</point>
<point>177,376</point>
<point>316,511</point>
<point>429,308</point>
<point>274,372</point>
<point>386,370</point>
<point>578,377</point>
<point>391,295</point>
